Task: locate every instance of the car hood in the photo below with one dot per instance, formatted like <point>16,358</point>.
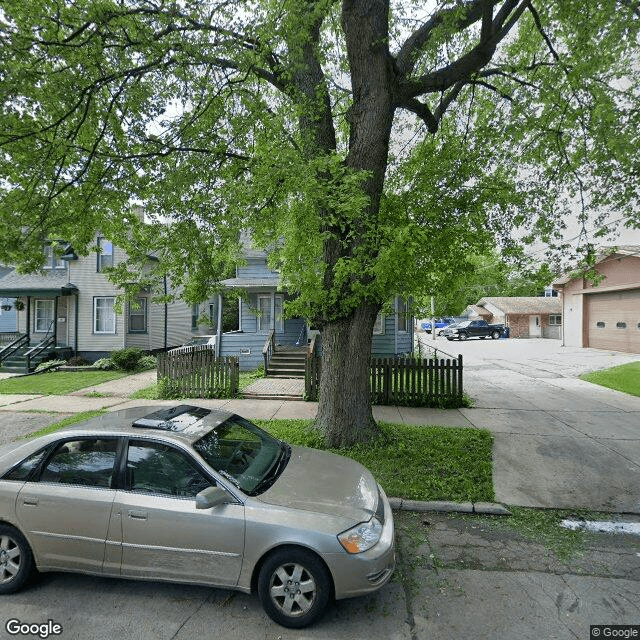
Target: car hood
<point>325,483</point>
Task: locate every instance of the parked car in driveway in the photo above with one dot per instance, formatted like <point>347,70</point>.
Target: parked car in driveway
<point>473,329</point>
<point>440,323</point>
<point>195,495</point>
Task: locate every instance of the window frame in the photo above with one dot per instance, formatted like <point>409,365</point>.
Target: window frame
<point>378,325</point>
<point>401,315</point>
<point>101,263</point>
<point>558,320</point>
<point>142,310</point>
<point>278,322</point>
<point>37,304</point>
<point>95,317</point>
<point>53,261</point>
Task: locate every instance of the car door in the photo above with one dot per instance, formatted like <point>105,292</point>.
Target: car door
<point>65,510</point>
<point>161,533</point>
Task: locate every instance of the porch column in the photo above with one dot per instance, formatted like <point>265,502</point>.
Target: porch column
<point>55,321</point>
<point>28,321</point>
<point>273,311</point>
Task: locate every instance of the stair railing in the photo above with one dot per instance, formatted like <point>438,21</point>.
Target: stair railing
<point>269,349</point>
<point>12,347</point>
<point>45,343</point>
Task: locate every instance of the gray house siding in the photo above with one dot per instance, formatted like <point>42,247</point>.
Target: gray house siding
<point>8,319</point>
<point>247,347</point>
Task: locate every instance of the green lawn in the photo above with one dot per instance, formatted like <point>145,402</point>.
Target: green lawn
<point>57,383</point>
<point>625,378</point>
<point>413,462</point>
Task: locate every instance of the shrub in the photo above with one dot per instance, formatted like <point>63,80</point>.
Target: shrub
<point>49,365</point>
<point>148,362</point>
<point>78,361</point>
<point>106,364</point>
<point>127,359</point>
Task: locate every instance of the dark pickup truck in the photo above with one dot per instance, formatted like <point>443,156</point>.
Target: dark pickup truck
<point>473,329</point>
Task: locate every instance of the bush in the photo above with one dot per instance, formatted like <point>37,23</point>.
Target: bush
<point>106,364</point>
<point>127,359</point>
<point>77,361</point>
<point>148,362</point>
<point>49,365</point>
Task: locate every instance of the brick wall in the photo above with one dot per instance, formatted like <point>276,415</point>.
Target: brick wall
<point>519,324</point>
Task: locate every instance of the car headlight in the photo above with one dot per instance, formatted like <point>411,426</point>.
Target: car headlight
<point>361,537</point>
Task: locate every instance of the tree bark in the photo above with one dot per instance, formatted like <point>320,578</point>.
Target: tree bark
<point>344,412</point>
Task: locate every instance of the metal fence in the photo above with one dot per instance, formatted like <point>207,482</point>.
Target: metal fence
<point>404,381</point>
<point>197,373</point>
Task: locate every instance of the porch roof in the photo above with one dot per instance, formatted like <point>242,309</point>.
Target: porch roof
<point>15,284</point>
<point>252,283</point>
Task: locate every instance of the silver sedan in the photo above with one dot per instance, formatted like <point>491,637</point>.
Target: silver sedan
<point>187,494</point>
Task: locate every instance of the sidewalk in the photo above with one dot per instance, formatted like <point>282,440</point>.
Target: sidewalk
<point>559,442</point>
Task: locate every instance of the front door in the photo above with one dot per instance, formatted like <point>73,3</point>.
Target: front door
<point>163,535</point>
<point>535,328</point>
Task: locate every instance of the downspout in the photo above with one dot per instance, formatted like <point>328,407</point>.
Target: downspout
<point>55,321</point>
<point>166,313</point>
<point>75,330</point>
<point>219,332</point>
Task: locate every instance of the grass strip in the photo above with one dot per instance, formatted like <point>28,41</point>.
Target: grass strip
<point>69,420</point>
<point>413,462</point>
<point>625,378</point>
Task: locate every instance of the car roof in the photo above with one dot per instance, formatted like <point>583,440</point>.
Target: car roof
<point>182,424</point>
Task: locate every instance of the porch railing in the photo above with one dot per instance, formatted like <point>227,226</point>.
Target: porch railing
<point>43,345</point>
<point>269,348</point>
<point>7,337</point>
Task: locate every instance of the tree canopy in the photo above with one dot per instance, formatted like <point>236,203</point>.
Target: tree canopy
<point>373,144</point>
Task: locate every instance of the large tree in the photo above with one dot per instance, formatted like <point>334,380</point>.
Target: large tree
<point>370,144</point>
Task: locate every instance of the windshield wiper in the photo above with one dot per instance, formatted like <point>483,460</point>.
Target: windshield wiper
<point>275,470</point>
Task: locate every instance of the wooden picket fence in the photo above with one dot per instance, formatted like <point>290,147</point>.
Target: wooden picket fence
<point>198,374</point>
<point>404,381</point>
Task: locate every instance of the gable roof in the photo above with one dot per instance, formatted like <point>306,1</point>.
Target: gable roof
<point>524,304</point>
<point>624,250</point>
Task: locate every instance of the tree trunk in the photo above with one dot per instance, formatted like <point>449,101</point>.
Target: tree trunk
<point>344,411</point>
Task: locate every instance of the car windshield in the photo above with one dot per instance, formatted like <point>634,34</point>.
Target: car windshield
<point>244,454</point>
<point>464,324</point>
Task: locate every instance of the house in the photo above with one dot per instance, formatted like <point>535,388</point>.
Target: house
<point>69,307</point>
<point>604,313</point>
<point>8,317</point>
<point>526,317</point>
<point>261,311</point>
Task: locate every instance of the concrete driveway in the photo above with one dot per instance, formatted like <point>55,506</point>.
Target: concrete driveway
<point>559,441</point>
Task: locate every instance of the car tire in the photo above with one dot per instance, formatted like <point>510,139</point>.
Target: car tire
<point>16,559</point>
<point>495,335</point>
<point>294,587</point>
<point>449,339</point>
<point>463,336</point>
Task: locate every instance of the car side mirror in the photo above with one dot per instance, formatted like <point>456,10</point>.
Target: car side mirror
<point>211,497</point>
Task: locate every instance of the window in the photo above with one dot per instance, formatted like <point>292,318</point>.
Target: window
<point>264,318</point>
<point>138,316</point>
<point>53,261</point>
<point>86,462</point>
<point>195,312</point>
<point>401,308</point>
<point>555,320</point>
<point>104,315</point>
<point>213,320</point>
<point>600,324</point>
<point>44,315</point>
<point>160,469</point>
<point>105,254</point>
<point>378,325</point>
<point>621,325</point>
<point>22,470</point>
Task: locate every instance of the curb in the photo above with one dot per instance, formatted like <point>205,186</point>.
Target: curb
<point>487,508</point>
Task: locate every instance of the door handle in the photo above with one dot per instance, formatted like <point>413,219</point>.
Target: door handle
<point>32,502</point>
<point>137,515</point>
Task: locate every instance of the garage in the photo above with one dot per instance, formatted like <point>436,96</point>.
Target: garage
<point>613,320</point>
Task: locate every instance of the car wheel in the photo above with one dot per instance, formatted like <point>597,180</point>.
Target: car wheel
<point>294,587</point>
<point>463,336</point>
<point>495,335</point>
<point>16,559</point>
<point>449,339</point>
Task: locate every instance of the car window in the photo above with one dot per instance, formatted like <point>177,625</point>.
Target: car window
<point>87,462</point>
<point>160,469</point>
<point>24,468</point>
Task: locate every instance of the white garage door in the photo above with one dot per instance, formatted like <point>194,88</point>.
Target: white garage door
<point>614,320</point>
